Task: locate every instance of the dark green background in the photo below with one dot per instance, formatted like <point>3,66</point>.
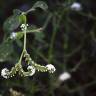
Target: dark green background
<point>68,42</point>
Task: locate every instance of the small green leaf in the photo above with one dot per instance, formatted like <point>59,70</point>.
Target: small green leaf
<point>41,5</point>
<point>22,19</point>
<point>11,23</point>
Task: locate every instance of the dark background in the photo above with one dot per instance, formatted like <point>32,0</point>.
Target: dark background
<point>68,42</point>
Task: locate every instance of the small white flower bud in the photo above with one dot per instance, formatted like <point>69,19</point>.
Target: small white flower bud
<point>13,35</point>
<point>76,6</point>
<point>64,76</point>
<point>4,73</point>
<point>27,25</point>
<point>50,68</point>
<point>23,27</point>
<point>32,69</point>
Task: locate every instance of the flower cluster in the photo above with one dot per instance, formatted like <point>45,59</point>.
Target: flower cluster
<point>5,73</point>
<point>64,76</point>
<point>50,68</point>
<point>31,70</point>
<point>13,35</point>
<point>76,6</point>
<point>24,27</point>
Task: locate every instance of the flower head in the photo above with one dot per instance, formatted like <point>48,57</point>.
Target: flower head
<point>4,73</point>
<point>23,27</point>
<point>13,35</point>
<point>76,6</point>
<point>50,68</point>
<point>64,76</point>
<point>32,69</point>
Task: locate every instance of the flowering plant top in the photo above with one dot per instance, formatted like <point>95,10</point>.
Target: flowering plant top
<point>20,20</point>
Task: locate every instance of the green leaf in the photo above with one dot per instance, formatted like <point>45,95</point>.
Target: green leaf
<point>5,51</point>
<point>41,5</point>
<point>19,35</point>
<point>22,19</point>
<point>11,23</point>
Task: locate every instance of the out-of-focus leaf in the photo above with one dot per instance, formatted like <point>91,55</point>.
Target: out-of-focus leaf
<point>41,5</point>
<point>11,23</point>
<point>5,51</point>
<point>19,43</point>
<point>39,36</point>
<point>17,12</point>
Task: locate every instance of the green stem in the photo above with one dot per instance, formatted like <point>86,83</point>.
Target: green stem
<point>20,58</point>
<point>55,28</point>
<point>30,31</point>
<point>24,48</point>
<point>30,10</point>
<point>52,41</point>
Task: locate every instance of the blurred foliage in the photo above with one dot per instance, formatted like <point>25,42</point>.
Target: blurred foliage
<point>68,41</point>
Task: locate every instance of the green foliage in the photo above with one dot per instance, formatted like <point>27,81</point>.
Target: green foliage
<point>6,49</point>
<point>11,24</point>
<point>22,18</point>
<point>39,36</point>
<point>38,4</point>
<point>17,18</point>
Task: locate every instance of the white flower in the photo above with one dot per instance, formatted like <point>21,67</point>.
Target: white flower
<point>13,35</point>
<point>4,73</point>
<point>76,6</point>
<point>23,27</point>
<point>64,76</point>
<point>50,68</point>
<point>32,69</point>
